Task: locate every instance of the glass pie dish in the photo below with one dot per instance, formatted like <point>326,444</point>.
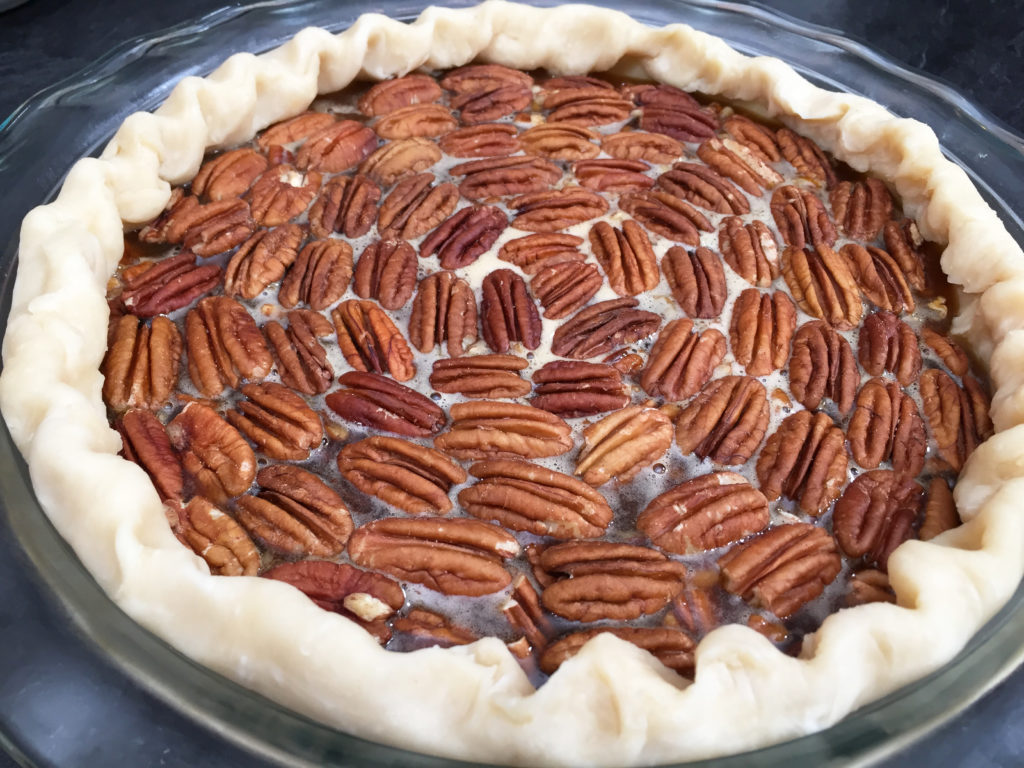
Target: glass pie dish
<point>280,26</point>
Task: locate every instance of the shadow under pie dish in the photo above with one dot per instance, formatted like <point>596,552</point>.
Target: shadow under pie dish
<point>709,653</point>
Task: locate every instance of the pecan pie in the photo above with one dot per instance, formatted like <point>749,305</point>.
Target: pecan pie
<point>633,394</point>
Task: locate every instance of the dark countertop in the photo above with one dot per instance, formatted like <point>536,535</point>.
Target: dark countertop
<point>59,696</point>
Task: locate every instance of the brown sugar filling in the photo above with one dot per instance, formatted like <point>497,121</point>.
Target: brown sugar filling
<point>488,352</point>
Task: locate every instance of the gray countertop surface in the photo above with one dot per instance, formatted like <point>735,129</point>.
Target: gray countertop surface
<point>62,703</point>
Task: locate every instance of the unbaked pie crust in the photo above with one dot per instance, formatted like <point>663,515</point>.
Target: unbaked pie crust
<point>612,704</point>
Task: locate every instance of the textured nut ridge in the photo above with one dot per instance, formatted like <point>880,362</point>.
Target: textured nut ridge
<point>761,329</point>
<point>875,514</point>
<point>782,568</point>
<point>489,429</point>
<point>704,513</point>
<point>886,343</point>
<point>626,256</point>
<point>682,361</point>
<point>726,421</point>
<point>601,327</point>
<point>295,513</point>
<point>484,376</point>
<point>319,276</point>
<point>822,366</point>
<point>140,368</point>
<point>383,404</point>
<point>697,280</point>
<point>526,497</point>
<point>508,313</point>
<point>411,477</point>
<point>622,444</point>
<point>278,421</point>
<point>213,453</point>
<point>443,312</point>
<point>386,272</point>
<point>370,341</point>
<point>570,389</point>
<point>804,459</point>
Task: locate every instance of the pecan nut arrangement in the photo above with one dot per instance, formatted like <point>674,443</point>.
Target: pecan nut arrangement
<point>568,364</point>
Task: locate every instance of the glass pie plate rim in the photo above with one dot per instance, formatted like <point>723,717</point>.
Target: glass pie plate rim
<point>138,75</point>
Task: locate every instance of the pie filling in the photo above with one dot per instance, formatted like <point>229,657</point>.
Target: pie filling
<point>491,353</point>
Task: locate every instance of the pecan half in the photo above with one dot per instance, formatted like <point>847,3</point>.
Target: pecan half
<point>804,459</point>
<point>205,230</point>
<point>411,477</point>
<point>823,285</point>
<point>526,497</point>
<point>757,138</point>
<point>704,513</point>
<point>430,120</point>
<point>213,453</point>
<point>782,568</point>
<point>673,648</point>
<point>565,286</point>
<point>486,92</point>
<point>701,186</point>
<point>428,628</point>
<point>612,175</point>
<point>262,260</point>
<point>622,444</point>
<point>295,513</point>
<point>464,236</point>
<point>886,425</point>
<point>398,159</point>
<point>281,193</point>
<point>298,128</point>
<point>601,327</point>
<point>903,241</point>
<point>336,147</point>
<point>667,215</point>
<point>145,442</point>
<point>569,389</point>
<point>726,421</point>
<point>738,162</point>
<point>673,112</point>
<point>346,204</point>
<point>485,140</point>
<point>809,160</point>
<point>939,510</point>
<point>367,598</point>
<point>215,536</point>
<point>875,514</point>
<point>370,341</point>
<point>801,218</point>
<point>161,287</point>
<point>384,405</point>
<point>760,331</point>
<point>524,612</point>
<point>951,355</point>
<point>879,277</point>
<point>487,376</point>
<point>560,141</point>
<point>141,364</point>
<point>301,360</point>
<point>682,361</point>
<point>694,610</point>
<point>455,557</point>
<point>495,430</point>
<point>750,249</point>
<point>229,174</point>
<point>861,207</point>
<point>386,272</point>
<point>443,312</point>
<point>415,206</point>
<point>957,417</point>
<point>555,209</point>
<point>495,177</point>
<point>278,421</point>
<point>389,95</point>
<point>626,256</point>
<point>584,105</point>
<point>821,366</point>
<point>869,586</point>
<point>535,252</point>
<point>508,313</point>
<point>886,343</point>
<point>319,276</point>
<point>637,145</point>
<point>224,346</point>
<point>697,280</point>
<point>608,580</point>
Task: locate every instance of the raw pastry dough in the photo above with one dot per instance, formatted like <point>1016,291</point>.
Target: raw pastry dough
<point>612,704</point>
